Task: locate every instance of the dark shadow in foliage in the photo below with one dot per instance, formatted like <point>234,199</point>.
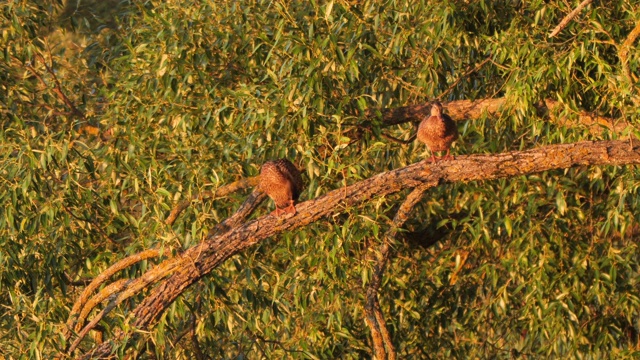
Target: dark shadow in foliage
<point>488,17</point>
<point>97,13</point>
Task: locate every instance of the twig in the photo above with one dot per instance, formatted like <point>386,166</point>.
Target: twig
<point>191,331</point>
<point>464,76</point>
<point>565,21</point>
<point>194,339</point>
<point>95,225</point>
<point>220,192</point>
<point>57,89</point>
<point>399,141</point>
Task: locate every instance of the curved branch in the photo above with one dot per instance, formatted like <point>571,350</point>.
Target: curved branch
<point>99,280</point>
<point>105,293</point>
<point>382,344</point>
<point>203,258</point>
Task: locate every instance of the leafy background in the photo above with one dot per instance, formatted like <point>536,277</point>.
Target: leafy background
<point>181,97</point>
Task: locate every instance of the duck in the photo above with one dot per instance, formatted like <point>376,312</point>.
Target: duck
<point>282,182</point>
<point>438,132</point>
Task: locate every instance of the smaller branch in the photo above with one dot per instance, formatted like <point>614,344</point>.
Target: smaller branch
<point>593,122</point>
<point>386,337</point>
<point>569,17</point>
<point>243,212</point>
<point>110,306</point>
<point>220,192</point>
<point>194,339</point>
<point>105,293</point>
<point>457,109</point>
<point>382,344</point>
<point>624,52</point>
<point>472,109</point>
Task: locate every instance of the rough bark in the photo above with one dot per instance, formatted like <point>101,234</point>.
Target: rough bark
<point>202,259</point>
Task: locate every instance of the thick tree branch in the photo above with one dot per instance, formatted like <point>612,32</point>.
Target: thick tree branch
<point>567,19</point>
<point>473,109</point>
<point>202,259</point>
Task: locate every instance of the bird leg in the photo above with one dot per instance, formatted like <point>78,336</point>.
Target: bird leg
<point>278,211</point>
<point>291,209</point>
<point>448,156</point>
<point>434,159</point>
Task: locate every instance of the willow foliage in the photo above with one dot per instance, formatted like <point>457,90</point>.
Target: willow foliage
<point>168,99</point>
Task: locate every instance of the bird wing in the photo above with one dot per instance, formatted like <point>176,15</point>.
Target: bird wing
<point>293,174</point>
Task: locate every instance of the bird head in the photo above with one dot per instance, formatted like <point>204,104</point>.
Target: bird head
<point>436,108</point>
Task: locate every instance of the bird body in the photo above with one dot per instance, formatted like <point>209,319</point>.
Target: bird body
<point>281,180</point>
<point>438,131</point>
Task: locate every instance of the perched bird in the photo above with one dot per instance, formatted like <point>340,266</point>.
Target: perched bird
<point>438,131</point>
<point>281,180</point>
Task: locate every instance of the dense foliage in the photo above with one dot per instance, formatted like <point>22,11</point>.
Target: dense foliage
<point>166,99</point>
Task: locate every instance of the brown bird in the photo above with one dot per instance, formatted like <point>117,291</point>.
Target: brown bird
<point>281,180</point>
<point>438,131</point>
